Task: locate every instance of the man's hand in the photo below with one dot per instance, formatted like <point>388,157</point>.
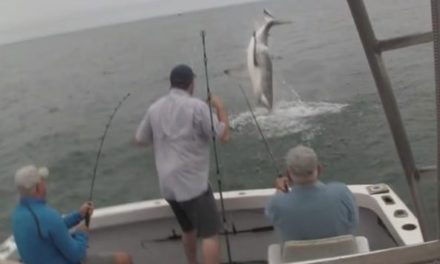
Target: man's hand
<point>87,207</point>
<point>83,228</point>
<point>137,143</point>
<point>282,184</point>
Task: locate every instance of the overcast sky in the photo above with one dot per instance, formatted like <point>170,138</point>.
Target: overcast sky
<point>25,19</point>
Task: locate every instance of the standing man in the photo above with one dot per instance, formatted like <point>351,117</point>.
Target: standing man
<point>311,209</point>
<point>179,127</point>
<point>42,234</point>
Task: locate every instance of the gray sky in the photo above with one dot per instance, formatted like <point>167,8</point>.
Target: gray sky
<point>25,19</point>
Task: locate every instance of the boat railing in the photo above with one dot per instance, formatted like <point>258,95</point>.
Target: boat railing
<point>373,49</point>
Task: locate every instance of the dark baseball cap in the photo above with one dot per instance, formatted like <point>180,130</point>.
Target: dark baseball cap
<point>181,75</point>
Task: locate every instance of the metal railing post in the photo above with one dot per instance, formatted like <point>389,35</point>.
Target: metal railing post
<point>383,84</point>
<point>435,8</point>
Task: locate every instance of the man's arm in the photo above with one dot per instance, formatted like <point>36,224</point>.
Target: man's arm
<point>76,217</point>
<point>72,247</point>
<point>72,219</point>
<point>353,211</point>
<point>220,121</point>
<point>144,132</point>
<point>222,116</point>
<point>270,210</point>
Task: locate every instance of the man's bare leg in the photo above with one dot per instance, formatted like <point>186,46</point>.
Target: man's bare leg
<point>123,258</point>
<point>189,240</point>
<point>211,250</point>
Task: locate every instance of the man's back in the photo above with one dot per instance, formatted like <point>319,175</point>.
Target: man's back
<point>180,128</point>
<point>313,212</point>
<point>42,235</point>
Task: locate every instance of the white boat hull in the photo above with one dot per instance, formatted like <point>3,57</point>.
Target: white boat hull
<point>145,229</point>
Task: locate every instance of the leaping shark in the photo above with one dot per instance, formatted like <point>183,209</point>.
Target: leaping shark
<point>259,61</point>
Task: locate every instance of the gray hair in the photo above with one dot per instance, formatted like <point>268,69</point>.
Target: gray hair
<point>28,177</point>
<point>302,161</point>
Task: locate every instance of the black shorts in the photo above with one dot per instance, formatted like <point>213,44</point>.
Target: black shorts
<point>199,213</point>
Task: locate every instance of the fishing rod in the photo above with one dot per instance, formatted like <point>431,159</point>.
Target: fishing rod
<point>175,236</point>
<point>98,155</point>
<point>219,180</point>
<point>260,131</point>
<point>266,143</point>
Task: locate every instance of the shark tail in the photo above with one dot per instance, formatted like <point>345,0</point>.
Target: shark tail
<point>268,15</point>
<point>269,18</point>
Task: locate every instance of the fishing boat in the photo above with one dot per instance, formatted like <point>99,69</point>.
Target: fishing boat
<point>389,232</point>
<point>149,232</point>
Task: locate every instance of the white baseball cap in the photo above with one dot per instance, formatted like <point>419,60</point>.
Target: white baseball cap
<point>29,176</point>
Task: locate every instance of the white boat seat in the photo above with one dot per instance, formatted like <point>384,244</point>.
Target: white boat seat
<point>302,250</point>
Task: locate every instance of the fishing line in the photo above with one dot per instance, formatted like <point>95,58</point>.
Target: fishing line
<point>219,180</point>
<point>260,131</point>
<point>98,155</point>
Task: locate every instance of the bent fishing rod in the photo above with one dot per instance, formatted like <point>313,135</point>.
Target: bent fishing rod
<point>260,131</point>
<point>98,155</point>
<point>217,167</point>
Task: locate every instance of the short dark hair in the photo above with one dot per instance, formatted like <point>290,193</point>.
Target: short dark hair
<point>181,76</point>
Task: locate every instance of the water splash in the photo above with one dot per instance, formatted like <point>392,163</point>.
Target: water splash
<point>294,93</point>
<point>286,117</point>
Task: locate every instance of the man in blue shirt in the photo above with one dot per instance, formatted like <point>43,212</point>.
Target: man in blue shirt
<point>42,234</point>
<point>311,209</point>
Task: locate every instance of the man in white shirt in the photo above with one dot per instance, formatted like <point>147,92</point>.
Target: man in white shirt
<point>180,126</point>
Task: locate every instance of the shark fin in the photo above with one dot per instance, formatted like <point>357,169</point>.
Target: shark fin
<point>265,102</point>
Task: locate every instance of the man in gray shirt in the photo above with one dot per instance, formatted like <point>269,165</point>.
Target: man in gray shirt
<point>179,126</point>
<point>311,209</point>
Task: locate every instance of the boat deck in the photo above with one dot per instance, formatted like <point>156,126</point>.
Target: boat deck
<point>149,241</point>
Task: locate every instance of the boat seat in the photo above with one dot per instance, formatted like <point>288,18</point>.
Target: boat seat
<point>303,250</point>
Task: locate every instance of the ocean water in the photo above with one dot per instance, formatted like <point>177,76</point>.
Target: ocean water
<point>57,92</point>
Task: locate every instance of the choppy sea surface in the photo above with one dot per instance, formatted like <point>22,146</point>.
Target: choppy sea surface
<point>57,92</point>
